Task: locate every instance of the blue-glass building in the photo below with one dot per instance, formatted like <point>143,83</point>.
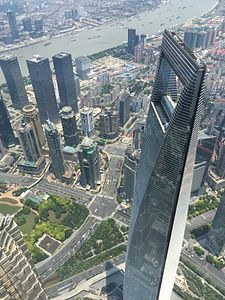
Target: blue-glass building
<point>41,78</point>
<point>165,172</point>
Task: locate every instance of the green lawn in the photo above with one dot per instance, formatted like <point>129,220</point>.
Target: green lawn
<point>28,226</point>
<point>52,217</point>
<point>6,209</point>
<point>9,200</point>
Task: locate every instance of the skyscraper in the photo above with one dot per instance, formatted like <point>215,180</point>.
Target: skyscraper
<point>13,25</point>
<point>69,123</point>
<point>109,124</point>
<point>65,80</point>
<point>28,141</point>
<point>30,115</point>
<point>17,273</point>
<point>27,25</point>
<point>220,168</point>
<point>3,150</point>
<point>41,78</point>
<point>38,25</point>
<point>88,155</point>
<point>133,40</point>
<point>216,234</point>
<point>55,151</point>
<point>131,162</point>
<point>87,121</point>
<point>77,86</point>
<point>138,133</point>
<point>165,173</point>
<point>124,108</point>
<point>14,80</point>
<point>83,67</point>
<point>6,133</point>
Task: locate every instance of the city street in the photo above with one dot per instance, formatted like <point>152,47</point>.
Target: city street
<point>69,247</point>
<point>71,282</point>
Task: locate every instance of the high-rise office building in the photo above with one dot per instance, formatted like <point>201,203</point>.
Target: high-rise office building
<point>165,173</point>
<point>104,78</point>
<point>124,108</point>
<point>138,53</point>
<point>65,80</point>
<point>6,133</point>
<point>142,39</point>
<point>131,162</point>
<point>41,78</point>
<point>77,86</point>
<point>14,80</point>
<point>216,235</point>
<point>87,121</point>
<point>88,155</point>
<point>205,150</point>
<point>220,168</point>
<point>27,24</point>
<point>138,133</point>
<point>17,273</point>
<point>83,67</point>
<point>109,124</point>
<point>55,150</point>
<point>132,40</point>
<point>28,141</point>
<point>31,115</point>
<point>69,124</point>
<point>38,25</point>
<point>13,25</point>
<point>3,150</point>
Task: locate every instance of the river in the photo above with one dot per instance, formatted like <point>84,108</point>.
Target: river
<point>110,36</point>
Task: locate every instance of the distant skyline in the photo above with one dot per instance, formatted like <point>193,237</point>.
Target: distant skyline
<point>111,36</point>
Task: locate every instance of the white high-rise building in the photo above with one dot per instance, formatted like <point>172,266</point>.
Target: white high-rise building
<point>87,121</point>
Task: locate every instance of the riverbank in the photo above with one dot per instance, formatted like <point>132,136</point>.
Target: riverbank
<point>110,36</point>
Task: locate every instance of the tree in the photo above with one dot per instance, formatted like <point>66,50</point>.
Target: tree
<point>198,250</point>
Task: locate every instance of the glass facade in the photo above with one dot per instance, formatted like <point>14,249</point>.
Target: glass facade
<point>164,177</point>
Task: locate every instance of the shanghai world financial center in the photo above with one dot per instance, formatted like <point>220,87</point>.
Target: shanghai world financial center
<point>165,173</point>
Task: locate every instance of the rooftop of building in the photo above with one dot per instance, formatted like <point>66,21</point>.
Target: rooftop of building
<point>61,55</point>
<point>50,127</point>
<point>30,108</point>
<point>87,142</point>
<point>8,57</point>
<point>37,59</point>
<point>86,110</point>
<point>66,110</point>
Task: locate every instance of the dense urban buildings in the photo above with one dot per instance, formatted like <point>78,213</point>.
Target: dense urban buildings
<point>55,151</point>
<point>11,70</point>
<point>41,78</point>
<point>89,160</point>
<point>76,225</point>
<point>69,124</point>
<point>65,80</point>
<point>6,132</point>
<point>165,176</point>
<point>17,274</point>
